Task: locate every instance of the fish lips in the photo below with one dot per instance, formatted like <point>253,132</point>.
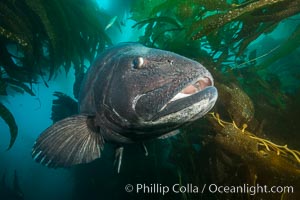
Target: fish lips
<point>208,94</point>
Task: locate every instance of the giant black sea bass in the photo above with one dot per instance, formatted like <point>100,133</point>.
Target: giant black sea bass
<point>131,94</point>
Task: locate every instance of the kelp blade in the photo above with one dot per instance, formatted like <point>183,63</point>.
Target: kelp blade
<point>6,115</point>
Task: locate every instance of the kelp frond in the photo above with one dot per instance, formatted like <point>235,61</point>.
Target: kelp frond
<point>18,86</point>
<point>285,49</point>
<point>52,34</point>
<point>13,37</point>
<point>225,29</point>
<point>280,150</point>
<point>6,115</point>
<point>218,34</point>
<point>167,20</point>
<point>214,22</point>
<point>39,37</point>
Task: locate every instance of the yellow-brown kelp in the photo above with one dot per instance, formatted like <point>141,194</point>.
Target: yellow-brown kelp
<point>236,102</point>
<point>240,140</point>
<point>237,145</point>
<point>217,34</point>
<point>267,163</point>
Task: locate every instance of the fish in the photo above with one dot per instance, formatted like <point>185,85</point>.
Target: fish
<point>111,22</point>
<point>130,94</point>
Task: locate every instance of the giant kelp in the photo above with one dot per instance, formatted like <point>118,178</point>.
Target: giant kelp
<point>39,37</point>
<point>214,151</point>
<point>223,28</point>
<point>230,154</point>
<point>251,84</point>
<point>218,34</point>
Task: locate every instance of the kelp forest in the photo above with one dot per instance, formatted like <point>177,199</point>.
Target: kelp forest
<point>40,38</point>
<point>252,134</point>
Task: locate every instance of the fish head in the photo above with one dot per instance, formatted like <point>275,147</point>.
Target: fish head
<point>152,88</point>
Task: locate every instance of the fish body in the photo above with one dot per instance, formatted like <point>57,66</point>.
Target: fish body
<point>131,94</point>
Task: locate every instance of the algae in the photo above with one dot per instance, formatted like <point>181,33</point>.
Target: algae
<point>258,91</point>
<point>38,38</point>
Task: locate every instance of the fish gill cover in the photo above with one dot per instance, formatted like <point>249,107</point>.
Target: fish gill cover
<point>250,46</point>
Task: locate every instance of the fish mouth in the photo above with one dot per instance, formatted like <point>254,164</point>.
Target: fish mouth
<point>193,88</point>
<point>198,93</point>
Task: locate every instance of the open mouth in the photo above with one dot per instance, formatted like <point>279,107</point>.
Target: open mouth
<point>194,88</point>
<point>195,99</point>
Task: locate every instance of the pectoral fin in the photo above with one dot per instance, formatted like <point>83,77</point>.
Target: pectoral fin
<point>73,140</point>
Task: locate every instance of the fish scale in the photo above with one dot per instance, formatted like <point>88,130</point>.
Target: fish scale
<point>129,95</point>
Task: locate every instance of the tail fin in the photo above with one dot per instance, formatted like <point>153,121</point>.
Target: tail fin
<point>71,141</point>
<point>64,106</point>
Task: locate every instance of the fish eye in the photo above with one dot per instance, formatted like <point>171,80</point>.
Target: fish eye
<point>137,63</point>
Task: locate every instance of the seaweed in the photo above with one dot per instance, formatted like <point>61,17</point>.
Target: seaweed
<point>255,91</point>
<point>38,38</point>
<point>218,35</point>
<point>283,50</point>
<point>6,115</point>
<point>221,25</point>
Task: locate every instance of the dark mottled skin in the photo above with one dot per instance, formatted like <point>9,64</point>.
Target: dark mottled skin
<point>130,94</point>
<point>113,82</point>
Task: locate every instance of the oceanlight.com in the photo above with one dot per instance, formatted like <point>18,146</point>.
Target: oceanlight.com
<point>157,188</point>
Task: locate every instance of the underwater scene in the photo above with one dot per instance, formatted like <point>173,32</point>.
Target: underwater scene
<point>149,99</point>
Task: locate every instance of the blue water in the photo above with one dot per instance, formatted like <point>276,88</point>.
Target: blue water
<point>32,114</point>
